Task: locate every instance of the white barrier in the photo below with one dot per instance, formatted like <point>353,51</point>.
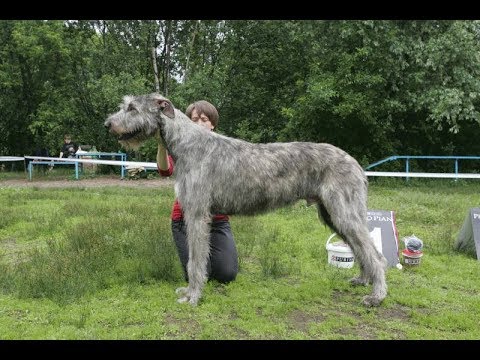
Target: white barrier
<point>11,158</point>
<point>422,175</point>
<point>97,161</point>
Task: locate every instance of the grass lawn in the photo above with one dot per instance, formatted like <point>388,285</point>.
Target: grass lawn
<point>99,263</point>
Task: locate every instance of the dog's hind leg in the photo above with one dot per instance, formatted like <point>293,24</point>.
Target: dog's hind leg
<point>345,211</point>
<point>324,217</point>
<point>372,263</point>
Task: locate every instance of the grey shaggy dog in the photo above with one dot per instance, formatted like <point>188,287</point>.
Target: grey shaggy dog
<point>216,174</point>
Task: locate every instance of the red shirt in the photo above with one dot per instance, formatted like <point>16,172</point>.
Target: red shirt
<point>177,213</point>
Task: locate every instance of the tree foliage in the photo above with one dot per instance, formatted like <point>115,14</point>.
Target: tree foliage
<point>375,88</point>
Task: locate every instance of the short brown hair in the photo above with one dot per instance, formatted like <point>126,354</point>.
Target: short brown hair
<point>206,108</point>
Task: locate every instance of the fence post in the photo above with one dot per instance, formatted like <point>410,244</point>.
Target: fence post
<point>407,167</point>
<point>456,169</point>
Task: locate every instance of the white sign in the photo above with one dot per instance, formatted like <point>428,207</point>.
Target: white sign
<point>384,234</point>
<point>468,239</point>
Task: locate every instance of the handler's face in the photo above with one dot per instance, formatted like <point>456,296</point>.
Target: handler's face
<point>201,120</point>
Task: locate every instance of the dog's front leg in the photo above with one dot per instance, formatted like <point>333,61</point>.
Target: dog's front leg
<point>198,237</point>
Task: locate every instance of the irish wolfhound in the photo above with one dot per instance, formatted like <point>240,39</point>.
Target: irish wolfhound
<point>216,174</point>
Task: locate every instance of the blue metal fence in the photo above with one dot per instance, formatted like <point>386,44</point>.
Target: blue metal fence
<point>407,159</point>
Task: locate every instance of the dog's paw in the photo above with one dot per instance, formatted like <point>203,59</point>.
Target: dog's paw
<point>181,291</point>
<point>182,300</point>
<point>194,298</point>
<point>371,301</point>
<point>188,299</point>
<point>358,281</point>
<point>186,295</point>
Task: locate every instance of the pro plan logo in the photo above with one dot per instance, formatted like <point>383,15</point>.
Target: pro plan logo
<point>341,259</point>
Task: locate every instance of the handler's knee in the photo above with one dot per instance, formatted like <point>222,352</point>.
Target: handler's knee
<point>225,275</point>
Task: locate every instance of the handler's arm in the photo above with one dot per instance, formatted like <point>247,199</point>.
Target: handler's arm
<point>164,162</point>
<point>162,158</point>
<point>162,155</point>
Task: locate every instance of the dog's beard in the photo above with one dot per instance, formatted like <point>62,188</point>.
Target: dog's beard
<point>131,144</point>
<point>133,140</point>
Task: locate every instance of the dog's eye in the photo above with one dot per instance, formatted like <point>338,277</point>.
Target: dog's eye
<point>131,107</point>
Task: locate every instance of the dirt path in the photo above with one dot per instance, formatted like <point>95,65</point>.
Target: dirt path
<point>82,183</point>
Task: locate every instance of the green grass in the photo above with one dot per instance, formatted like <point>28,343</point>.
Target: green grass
<point>100,263</point>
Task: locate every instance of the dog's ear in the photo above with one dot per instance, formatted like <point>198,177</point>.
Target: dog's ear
<point>166,107</point>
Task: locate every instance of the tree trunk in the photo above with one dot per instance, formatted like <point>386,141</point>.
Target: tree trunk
<point>155,69</point>
<point>166,68</point>
<point>190,49</point>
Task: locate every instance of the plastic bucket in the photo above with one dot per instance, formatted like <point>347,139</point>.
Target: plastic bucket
<point>339,253</point>
<point>411,258</point>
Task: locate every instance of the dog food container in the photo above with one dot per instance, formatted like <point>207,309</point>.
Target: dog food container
<point>412,258</point>
<point>339,253</point>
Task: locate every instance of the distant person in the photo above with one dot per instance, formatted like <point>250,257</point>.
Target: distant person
<point>41,150</point>
<point>69,148</point>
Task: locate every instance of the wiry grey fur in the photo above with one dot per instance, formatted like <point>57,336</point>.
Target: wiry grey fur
<point>216,174</point>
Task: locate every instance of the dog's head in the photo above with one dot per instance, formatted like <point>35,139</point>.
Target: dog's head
<point>139,118</point>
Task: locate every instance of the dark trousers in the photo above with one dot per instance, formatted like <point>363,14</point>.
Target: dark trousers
<point>223,261</point>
